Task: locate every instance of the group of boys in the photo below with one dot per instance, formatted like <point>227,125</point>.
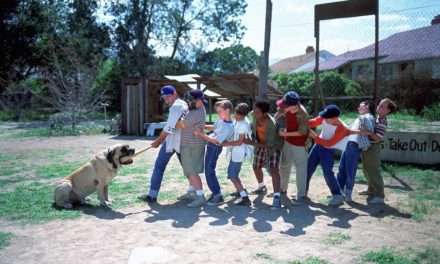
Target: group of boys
<point>276,143</point>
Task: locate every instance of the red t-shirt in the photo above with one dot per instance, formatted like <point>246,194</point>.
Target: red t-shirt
<point>292,126</point>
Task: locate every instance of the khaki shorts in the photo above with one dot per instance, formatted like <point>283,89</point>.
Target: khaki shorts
<point>192,158</point>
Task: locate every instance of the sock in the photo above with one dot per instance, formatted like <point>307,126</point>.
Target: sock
<point>276,194</point>
<point>191,189</point>
<point>199,192</point>
<point>261,184</point>
<point>243,193</point>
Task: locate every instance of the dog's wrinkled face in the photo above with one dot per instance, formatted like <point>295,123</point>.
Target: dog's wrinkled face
<point>120,155</point>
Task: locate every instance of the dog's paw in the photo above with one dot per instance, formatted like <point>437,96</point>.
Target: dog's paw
<point>67,205</point>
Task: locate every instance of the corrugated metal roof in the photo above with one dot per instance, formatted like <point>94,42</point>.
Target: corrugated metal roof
<point>188,79</point>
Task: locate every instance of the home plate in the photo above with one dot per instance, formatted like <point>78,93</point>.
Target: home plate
<point>149,255</point>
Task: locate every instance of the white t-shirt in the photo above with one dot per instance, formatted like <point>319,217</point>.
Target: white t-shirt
<point>177,111</point>
<point>328,131</point>
<point>239,153</point>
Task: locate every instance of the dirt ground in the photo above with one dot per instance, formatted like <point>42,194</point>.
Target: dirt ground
<point>224,234</point>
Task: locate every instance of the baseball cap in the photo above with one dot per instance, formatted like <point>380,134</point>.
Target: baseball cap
<point>330,111</point>
<point>167,90</point>
<point>290,98</point>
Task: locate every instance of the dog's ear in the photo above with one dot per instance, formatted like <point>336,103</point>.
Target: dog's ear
<point>109,156</point>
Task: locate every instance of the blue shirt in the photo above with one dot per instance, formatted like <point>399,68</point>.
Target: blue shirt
<point>223,130</point>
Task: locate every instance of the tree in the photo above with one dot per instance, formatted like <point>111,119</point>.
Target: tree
<point>135,24</point>
<point>21,22</point>
<point>217,20</point>
<point>234,59</point>
<point>72,86</point>
<point>92,38</point>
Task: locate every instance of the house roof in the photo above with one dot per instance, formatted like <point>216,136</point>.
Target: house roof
<point>290,64</point>
<point>421,43</point>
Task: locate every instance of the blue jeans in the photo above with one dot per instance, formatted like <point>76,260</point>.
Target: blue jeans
<point>160,165</point>
<point>211,157</point>
<point>234,169</point>
<point>324,156</point>
<point>348,167</point>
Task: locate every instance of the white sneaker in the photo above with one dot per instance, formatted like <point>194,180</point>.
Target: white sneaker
<point>190,195</point>
<point>336,200</point>
<point>376,200</point>
<point>198,201</point>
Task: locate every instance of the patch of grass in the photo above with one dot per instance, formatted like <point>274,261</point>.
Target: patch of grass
<point>136,169</point>
<point>32,203</point>
<point>426,256</point>
<point>425,199</point>
<point>125,194</point>
<point>57,170</point>
<point>5,239</point>
<point>17,167</point>
<point>310,260</point>
<point>336,238</point>
<point>390,256</point>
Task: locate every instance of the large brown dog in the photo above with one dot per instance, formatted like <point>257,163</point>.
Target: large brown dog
<point>93,176</point>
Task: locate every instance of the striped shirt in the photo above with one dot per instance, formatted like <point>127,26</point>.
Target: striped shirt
<point>380,126</point>
<point>195,119</point>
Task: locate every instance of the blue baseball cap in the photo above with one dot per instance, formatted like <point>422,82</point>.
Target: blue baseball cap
<point>167,90</point>
<point>330,111</point>
<point>290,98</point>
<point>197,94</point>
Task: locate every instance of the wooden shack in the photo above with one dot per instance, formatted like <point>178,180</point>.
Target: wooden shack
<point>141,101</point>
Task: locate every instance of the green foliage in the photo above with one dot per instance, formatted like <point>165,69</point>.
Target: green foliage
<point>234,59</point>
<point>5,238</point>
<point>332,83</point>
<point>7,115</point>
<point>432,112</point>
<point>386,256</point>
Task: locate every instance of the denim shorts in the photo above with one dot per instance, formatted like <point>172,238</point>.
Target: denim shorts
<point>234,169</point>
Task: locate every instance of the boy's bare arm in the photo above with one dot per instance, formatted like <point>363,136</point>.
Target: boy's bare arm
<point>235,142</point>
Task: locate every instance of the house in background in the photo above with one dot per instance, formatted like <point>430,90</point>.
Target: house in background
<point>305,62</point>
<point>409,54</point>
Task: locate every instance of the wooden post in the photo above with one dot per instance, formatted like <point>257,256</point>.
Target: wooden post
<point>376,54</point>
<point>210,109</point>
<point>317,81</point>
<point>141,107</point>
<point>264,65</point>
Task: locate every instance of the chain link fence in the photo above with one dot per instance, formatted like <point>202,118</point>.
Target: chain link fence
<point>409,63</point>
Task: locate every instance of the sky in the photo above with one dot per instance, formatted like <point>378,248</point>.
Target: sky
<point>292,25</point>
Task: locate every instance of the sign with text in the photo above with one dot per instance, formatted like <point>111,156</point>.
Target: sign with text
<point>411,147</point>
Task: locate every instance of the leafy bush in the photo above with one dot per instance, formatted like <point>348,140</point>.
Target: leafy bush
<point>332,83</point>
<point>7,115</point>
<point>432,112</point>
